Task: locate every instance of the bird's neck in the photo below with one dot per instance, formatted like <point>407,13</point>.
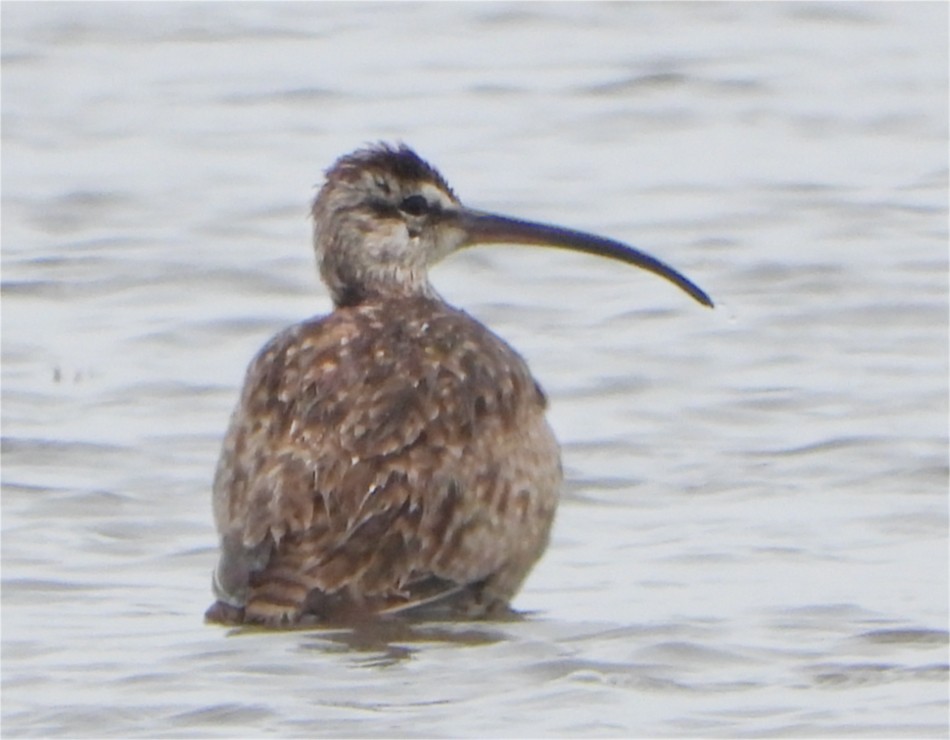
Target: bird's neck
<point>378,286</point>
<point>383,265</point>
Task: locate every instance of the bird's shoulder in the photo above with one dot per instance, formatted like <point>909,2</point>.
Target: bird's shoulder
<point>362,360</point>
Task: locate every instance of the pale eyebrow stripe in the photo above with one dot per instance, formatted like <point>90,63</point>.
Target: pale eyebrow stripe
<point>435,194</point>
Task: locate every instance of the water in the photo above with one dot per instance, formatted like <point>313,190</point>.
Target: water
<point>753,537</point>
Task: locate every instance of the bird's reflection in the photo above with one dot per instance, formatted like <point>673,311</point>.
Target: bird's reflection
<point>388,640</point>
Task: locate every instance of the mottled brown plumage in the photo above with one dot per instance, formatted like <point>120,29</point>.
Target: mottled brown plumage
<point>394,454</point>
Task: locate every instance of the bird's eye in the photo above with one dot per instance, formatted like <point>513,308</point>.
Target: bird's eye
<point>414,205</point>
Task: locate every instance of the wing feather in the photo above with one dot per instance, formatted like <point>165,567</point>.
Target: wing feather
<point>374,454</point>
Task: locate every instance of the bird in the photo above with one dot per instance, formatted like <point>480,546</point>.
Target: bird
<point>393,456</point>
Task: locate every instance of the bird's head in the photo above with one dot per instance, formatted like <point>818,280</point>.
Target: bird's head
<point>384,216</point>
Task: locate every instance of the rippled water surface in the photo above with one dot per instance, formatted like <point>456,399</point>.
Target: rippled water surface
<point>753,536</point>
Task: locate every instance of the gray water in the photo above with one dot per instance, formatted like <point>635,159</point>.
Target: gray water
<point>753,535</point>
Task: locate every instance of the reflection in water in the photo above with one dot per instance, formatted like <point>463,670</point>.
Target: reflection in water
<point>390,641</point>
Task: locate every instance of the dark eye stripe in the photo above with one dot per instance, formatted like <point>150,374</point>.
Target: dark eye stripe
<point>414,205</point>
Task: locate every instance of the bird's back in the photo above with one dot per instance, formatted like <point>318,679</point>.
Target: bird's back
<point>387,454</point>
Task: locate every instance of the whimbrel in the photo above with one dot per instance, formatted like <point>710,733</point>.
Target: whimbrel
<point>393,455</point>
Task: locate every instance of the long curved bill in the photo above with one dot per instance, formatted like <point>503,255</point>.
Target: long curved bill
<point>480,227</point>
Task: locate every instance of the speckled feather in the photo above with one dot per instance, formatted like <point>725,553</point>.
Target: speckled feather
<point>380,448</point>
